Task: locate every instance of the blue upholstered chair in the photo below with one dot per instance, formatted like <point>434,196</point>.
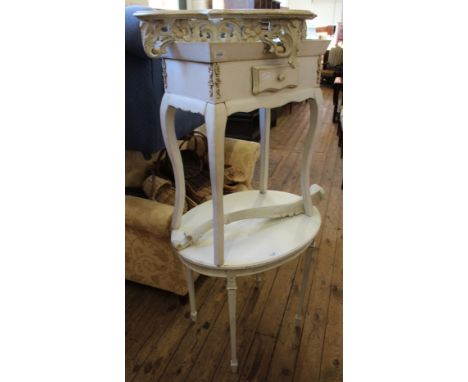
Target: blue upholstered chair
<point>144,89</point>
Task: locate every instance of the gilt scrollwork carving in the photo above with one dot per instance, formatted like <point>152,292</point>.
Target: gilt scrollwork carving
<point>164,73</point>
<point>280,36</point>
<point>214,81</point>
<point>319,69</point>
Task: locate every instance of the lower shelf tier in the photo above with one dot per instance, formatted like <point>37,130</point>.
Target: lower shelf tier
<point>251,242</point>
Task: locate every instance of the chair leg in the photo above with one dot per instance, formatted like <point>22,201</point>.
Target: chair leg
<point>191,291</point>
<point>232,288</point>
<point>305,280</point>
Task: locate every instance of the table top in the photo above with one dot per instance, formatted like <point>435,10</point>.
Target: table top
<point>213,14</point>
<point>252,242</point>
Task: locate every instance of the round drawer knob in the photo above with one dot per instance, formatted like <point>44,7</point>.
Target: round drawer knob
<point>281,77</point>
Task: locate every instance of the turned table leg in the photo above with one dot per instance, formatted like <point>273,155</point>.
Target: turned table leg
<point>215,119</point>
<point>232,289</point>
<point>191,292</point>
<point>305,281</point>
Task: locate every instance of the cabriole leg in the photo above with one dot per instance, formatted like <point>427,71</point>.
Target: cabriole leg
<point>232,289</point>
<point>191,292</point>
<point>167,116</point>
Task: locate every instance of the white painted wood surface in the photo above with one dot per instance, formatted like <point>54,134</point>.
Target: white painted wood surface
<point>215,120</point>
<point>315,117</point>
<point>271,101</point>
<point>273,78</point>
<point>209,52</point>
<point>305,281</point>
<point>234,80</point>
<point>191,290</point>
<point>265,125</point>
<point>215,14</point>
<point>167,116</point>
<point>232,294</point>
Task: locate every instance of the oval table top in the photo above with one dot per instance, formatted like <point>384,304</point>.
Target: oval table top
<point>250,243</point>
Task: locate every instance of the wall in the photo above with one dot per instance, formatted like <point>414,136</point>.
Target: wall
<point>329,12</point>
<point>136,2</point>
<point>164,4</point>
<point>199,4</point>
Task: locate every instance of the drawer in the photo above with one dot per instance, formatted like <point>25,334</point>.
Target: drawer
<point>273,78</point>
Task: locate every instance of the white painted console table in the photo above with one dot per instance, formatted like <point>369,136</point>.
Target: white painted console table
<point>217,63</point>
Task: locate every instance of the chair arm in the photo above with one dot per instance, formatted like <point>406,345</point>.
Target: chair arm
<point>148,215</point>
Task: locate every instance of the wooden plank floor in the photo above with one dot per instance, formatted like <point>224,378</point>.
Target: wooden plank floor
<point>162,344</point>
